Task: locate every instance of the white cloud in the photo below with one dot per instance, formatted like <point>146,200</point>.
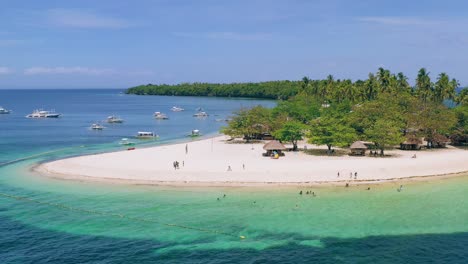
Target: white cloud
<point>5,70</point>
<point>77,18</point>
<point>67,70</point>
<point>224,35</point>
<point>399,21</point>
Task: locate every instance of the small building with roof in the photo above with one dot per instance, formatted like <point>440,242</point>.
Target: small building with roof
<point>412,143</point>
<point>273,147</point>
<point>358,148</point>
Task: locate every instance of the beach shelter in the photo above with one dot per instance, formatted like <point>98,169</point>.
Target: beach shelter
<point>411,143</point>
<point>358,148</point>
<point>274,146</point>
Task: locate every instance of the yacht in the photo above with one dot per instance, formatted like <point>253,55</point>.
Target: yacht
<point>145,135</point>
<point>177,109</point>
<point>4,110</point>
<point>97,126</point>
<point>126,142</point>
<point>39,113</point>
<point>194,133</point>
<point>159,115</point>
<point>114,119</point>
<point>200,114</point>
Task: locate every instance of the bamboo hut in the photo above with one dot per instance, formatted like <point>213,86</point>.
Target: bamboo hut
<point>358,148</point>
<point>412,143</point>
<point>272,147</point>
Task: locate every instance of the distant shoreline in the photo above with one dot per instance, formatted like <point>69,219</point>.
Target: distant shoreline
<point>207,160</point>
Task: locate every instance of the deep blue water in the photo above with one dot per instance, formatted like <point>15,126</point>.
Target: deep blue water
<point>20,136</point>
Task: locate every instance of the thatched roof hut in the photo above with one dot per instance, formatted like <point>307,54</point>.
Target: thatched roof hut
<point>358,145</point>
<point>274,146</point>
<point>358,148</point>
<point>412,142</point>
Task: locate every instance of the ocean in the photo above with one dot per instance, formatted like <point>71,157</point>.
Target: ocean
<point>45,220</point>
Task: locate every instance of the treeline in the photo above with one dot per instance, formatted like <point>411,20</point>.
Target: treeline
<point>327,90</point>
<point>263,90</point>
<point>383,109</point>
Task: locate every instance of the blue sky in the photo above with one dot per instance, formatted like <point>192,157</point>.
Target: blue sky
<point>117,44</point>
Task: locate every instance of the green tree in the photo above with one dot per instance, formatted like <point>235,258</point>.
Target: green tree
<point>432,119</point>
<point>249,123</point>
<point>332,128</point>
<point>424,85</point>
<point>462,97</point>
<point>384,133</point>
<point>443,88</point>
<point>292,131</point>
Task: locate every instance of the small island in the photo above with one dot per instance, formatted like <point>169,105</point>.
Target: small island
<point>324,132</point>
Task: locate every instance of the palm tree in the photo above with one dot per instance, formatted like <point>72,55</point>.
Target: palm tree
<point>441,86</point>
<point>370,89</point>
<point>424,85</point>
<point>402,83</point>
<point>384,78</point>
<point>452,89</point>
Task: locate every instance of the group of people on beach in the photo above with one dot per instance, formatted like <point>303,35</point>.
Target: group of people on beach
<point>350,175</point>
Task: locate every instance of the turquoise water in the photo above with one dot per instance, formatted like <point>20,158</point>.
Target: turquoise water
<point>44,220</point>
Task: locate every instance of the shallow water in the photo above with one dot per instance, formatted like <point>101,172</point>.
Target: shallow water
<point>47,220</point>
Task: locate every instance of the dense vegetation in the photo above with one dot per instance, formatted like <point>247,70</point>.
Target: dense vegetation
<point>384,109</point>
<point>265,90</point>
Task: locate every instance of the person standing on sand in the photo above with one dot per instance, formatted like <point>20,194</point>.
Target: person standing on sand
<point>186,149</point>
<point>243,166</point>
<point>338,174</point>
<point>229,168</point>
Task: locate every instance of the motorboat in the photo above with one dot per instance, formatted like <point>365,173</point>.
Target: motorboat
<point>97,126</point>
<point>4,110</point>
<point>39,113</point>
<point>126,142</point>
<point>194,133</point>
<point>114,119</point>
<point>177,109</point>
<point>200,114</point>
<point>146,135</point>
<point>159,115</point>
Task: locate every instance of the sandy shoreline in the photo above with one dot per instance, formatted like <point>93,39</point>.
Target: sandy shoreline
<point>206,164</point>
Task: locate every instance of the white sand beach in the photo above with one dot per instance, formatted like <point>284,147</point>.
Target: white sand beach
<point>206,164</point>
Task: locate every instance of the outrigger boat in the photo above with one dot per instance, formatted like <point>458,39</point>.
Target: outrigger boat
<point>114,119</point>
<point>177,109</point>
<point>97,126</point>
<point>4,110</point>
<point>146,135</point>
<point>200,114</point>
<point>159,115</point>
<point>194,133</point>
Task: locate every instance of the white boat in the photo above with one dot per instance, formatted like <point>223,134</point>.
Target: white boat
<point>159,115</point>
<point>4,110</point>
<point>194,133</point>
<point>97,126</point>
<point>39,113</point>
<point>126,142</point>
<point>177,109</point>
<point>200,114</point>
<point>145,134</point>
<point>114,119</point>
